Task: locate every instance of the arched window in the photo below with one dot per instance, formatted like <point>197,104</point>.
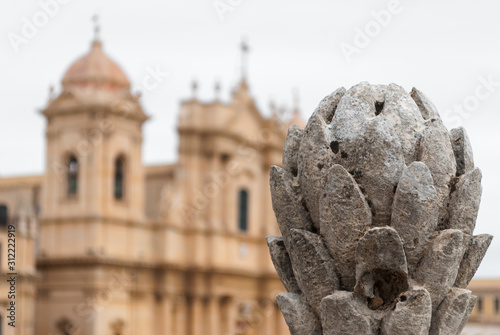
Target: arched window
<point>72,175</point>
<point>4,216</point>
<point>119,177</point>
<point>243,211</point>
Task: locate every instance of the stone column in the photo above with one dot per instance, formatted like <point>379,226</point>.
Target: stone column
<point>213,316</point>
<point>196,319</point>
<point>229,314</point>
<point>164,316</point>
<point>180,315</point>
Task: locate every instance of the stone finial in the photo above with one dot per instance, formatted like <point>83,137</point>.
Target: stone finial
<point>376,203</point>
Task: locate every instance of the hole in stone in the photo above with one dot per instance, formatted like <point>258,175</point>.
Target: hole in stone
<point>343,154</point>
<point>403,298</point>
<point>321,166</point>
<point>358,174</point>
<point>295,171</point>
<point>334,145</point>
<point>280,243</point>
<point>379,105</point>
<point>388,285</point>
<point>394,188</point>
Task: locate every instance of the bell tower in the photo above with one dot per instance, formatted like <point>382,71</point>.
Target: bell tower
<point>94,173</point>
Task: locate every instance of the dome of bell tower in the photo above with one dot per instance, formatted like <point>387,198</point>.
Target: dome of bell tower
<point>96,70</point>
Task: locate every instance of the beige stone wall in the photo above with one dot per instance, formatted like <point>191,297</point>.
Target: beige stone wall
<point>486,311</point>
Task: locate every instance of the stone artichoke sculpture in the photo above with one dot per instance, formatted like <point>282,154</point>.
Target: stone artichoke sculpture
<point>376,203</point>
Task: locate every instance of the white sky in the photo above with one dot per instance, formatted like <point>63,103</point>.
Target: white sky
<point>443,48</point>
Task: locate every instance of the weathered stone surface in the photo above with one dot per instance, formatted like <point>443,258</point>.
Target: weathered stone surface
<point>344,218</point>
<point>374,156</point>
<point>436,152</point>
<point>313,267</point>
<point>339,316</point>
<point>368,147</point>
<point>450,313</point>
<point>464,202</point>
<point>412,315</point>
<point>462,149</point>
<point>291,150</point>
<point>356,105</point>
<point>377,202</point>
<point>472,302</point>
<point>327,107</point>
<point>472,258</point>
<point>300,318</point>
<point>315,157</point>
<point>381,269</point>
<point>403,113</point>
<point>427,107</point>
<point>287,205</point>
<point>415,211</point>
<point>438,268</point>
<point>282,263</point>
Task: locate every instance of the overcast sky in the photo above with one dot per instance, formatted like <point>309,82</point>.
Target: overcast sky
<point>448,49</point>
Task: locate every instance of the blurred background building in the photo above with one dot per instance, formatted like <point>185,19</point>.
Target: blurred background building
<point>106,245</point>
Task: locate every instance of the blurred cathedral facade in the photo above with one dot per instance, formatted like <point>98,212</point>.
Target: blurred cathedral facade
<point>106,245</point>
<point>109,246</point>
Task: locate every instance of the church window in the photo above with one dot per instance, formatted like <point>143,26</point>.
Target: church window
<point>72,175</point>
<point>243,211</point>
<point>119,178</point>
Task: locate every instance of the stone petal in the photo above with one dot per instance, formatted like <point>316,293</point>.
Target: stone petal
<point>464,202</point>
<point>282,263</point>
<point>339,316</point>
<point>314,157</point>
<point>425,105</point>
<point>462,149</point>
<point>472,259</point>
<point>299,316</point>
<point>287,205</point>
<point>415,211</point>
<point>372,153</point>
<point>291,150</point>
<point>412,315</point>
<point>381,269</point>
<point>436,152</point>
<point>313,267</point>
<point>403,113</point>
<point>470,307</point>
<point>327,107</point>
<point>450,313</point>
<point>344,218</point>
<point>437,271</point>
